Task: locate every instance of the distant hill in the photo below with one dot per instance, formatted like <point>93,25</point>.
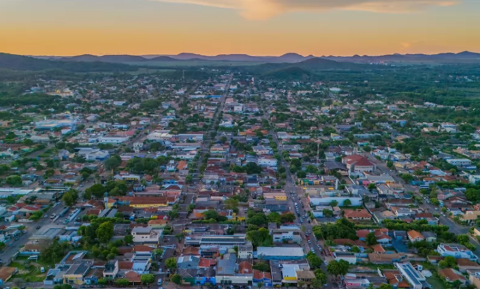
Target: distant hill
<point>462,57</point>
<point>292,57</point>
<point>310,65</point>
<point>162,58</point>
<point>25,63</point>
<point>106,58</point>
<point>322,63</point>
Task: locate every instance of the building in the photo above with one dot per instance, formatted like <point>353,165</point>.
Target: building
<point>280,253</point>
<point>457,251</point>
<point>112,139</point>
<point>229,273</point>
<point>223,240</point>
<point>357,214</point>
<point>459,162</point>
<point>415,236</point>
<point>323,197</point>
<point>245,251</point>
<point>286,234</point>
<point>358,164</point>
<point>267,161</point>
<point>452,275</point>
<point>351,258</point>
<point>146,235</point>
<point>415,278</point>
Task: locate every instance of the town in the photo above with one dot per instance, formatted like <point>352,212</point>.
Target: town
<point>222,178</point>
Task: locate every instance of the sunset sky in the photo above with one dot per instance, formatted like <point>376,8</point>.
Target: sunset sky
<point>256,27</point>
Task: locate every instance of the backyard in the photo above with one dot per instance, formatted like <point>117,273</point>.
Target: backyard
<point>28,270</point>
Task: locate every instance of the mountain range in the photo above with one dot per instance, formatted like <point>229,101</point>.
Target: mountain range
<point>290,62</point>
<point>461,57</point>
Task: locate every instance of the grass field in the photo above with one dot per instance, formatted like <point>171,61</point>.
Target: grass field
<point>435,282</point>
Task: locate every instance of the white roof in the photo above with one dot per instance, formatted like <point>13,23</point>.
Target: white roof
<point>280,251</point>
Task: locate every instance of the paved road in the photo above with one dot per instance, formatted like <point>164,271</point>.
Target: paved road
<point>298,197</point>
<point>31,228</point>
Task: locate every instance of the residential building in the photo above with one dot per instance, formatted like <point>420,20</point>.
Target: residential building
<point>457,251</point>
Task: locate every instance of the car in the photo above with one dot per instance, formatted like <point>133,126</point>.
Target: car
<point>159,282</point>
<point>38,227</point>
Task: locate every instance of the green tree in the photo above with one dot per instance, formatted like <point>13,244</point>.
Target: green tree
<point>287,218</point>
<point>122,282</point>
<point>96,190</point>
<point>147,279</point>
<point>70,197</point>
<point>317,284</point>
<point>14,181</point>
<point>334,203</point>
<point>314,260</point>
<point>385,286</point>
<point>274,217</point>
<point>128,239</point>
<point>338,268</point>
<point>177,279</point>
<point>102,281</point>
<point>320,275</point>
<point>105,232</point>
<point>171,263</point>
<point>113,162</point>
<point>371,239</point>
<point>347,203</point>
<point>231,204</point>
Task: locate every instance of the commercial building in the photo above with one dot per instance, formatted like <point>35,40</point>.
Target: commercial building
<point>225,240</point>
<point>280,253</point>
<point>287,234</point>
<point>322,197</point>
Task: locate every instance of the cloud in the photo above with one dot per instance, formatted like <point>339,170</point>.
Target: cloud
<point>264,9</point>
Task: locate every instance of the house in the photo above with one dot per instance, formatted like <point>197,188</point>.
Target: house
<point>457,251</point>
<point>6,273</point>
<point>430,236</point>
<point>305,276</point>
<point>111,269</point>
<point>466,264</point>
<point>146,235</point>
<point>351,258</point>
<point>245,251</point>
<point>415,236</point>
<point>385,258</point>
<point>357,214</point>
<point>187,262</point>
<point>358,164</point>
<point>229,273</point>
<point>77,272</point>
<point>452,275</point>
<point>141,262</point>
<point>262,277</point>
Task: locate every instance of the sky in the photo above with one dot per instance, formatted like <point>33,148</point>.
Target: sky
<point>255,27</point>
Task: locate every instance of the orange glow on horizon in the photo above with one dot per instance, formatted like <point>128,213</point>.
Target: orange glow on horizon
<point>212,27</point>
